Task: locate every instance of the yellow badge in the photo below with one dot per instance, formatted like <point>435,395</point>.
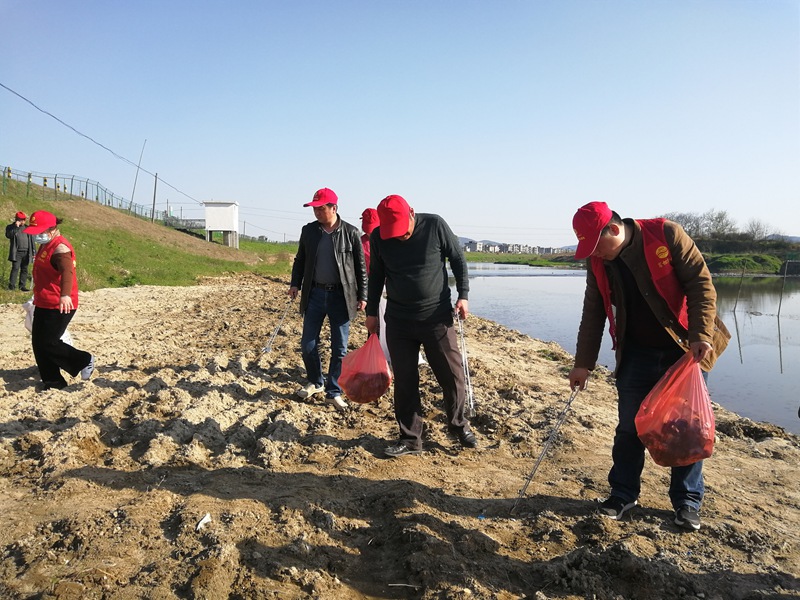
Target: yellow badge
<point>662,252</point>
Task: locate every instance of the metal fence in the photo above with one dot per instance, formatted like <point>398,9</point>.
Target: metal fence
<point>57,186</point>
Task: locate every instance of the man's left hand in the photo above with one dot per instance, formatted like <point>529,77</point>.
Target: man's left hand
<point>462,308</point>
<point>700,350</point>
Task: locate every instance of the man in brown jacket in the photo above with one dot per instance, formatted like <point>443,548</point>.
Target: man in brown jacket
<point>650,281</point>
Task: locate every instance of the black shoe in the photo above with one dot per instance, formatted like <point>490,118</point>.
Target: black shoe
<point>54,385</point>
<point>687,518</point>
<point>24,289</point>
<point>401,450</point>
<point>614,507</point>
<point>467,439</point>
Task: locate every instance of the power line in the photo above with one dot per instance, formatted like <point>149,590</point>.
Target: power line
<point>118,156</point>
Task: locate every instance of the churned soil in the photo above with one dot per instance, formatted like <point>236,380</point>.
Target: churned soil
<point>186,467</point>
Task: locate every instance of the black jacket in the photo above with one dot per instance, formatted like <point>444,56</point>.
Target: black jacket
<point>349,260</point>
<point>11,233</point>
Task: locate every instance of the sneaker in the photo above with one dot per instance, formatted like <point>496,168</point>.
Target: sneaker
<point>614,507</point>
<point>310,390</point>
<point>87,371</point>
<point>400,450</point>
<point>337,401</point>
<point>687,518</point>
<point>467,439</point>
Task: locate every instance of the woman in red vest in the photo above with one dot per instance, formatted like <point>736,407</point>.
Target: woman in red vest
<point>55,297</point>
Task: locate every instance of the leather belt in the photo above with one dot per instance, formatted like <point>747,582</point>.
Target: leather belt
<point>329,287</point>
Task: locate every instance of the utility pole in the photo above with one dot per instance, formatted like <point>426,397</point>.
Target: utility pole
<point>136,177</point>
<point>153,212</point>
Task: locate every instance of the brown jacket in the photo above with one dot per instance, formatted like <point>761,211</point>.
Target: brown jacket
<point>695,278</point>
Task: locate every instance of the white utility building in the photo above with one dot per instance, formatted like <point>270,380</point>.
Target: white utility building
<point>224,217</point>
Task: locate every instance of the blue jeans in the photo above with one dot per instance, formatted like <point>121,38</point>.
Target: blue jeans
<point>640,369</point>
<point>323,304</point>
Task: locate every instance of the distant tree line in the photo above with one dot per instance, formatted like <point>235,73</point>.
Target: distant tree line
<point>714,231</point>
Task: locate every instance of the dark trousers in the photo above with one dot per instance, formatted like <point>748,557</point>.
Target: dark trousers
<point>19,271</point>
<point>404,338</point>
<point>640,369</point>
<point>50,352</point>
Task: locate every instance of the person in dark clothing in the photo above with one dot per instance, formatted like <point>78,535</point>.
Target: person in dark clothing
<point>21,251</point>
<point>649,280</point>
<point>329,269</point>
<point>408,252</point>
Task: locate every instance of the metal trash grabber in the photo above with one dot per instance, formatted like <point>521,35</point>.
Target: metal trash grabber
<point>268,348</point>
<point>467,381</point>
<point>559,421</point>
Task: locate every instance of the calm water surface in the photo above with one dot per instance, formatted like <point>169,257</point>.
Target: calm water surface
<point>757,376</point>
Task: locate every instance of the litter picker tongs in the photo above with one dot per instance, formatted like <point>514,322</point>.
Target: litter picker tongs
<point>550,439</point>
<point>268,348</point>
<point>464,361</point>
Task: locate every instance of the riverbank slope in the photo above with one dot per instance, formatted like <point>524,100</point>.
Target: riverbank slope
<point>105,484</point>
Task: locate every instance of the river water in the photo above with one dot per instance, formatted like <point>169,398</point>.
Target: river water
<point>758,375</point>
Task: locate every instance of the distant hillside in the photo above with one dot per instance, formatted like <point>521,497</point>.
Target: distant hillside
<point>116,249</point>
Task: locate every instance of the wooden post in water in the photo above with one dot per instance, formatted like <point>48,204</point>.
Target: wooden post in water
<point>739,291</point>
<point>783,287</point>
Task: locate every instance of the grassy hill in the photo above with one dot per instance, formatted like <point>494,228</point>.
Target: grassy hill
<point>116,249</point>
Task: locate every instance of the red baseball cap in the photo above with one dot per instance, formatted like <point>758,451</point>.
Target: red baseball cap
<point>393,213</point>
<point>323,196</point>
<point>40,221</point>
<point>21,216</point>
<point>588,223</point>
<point>369,220</point>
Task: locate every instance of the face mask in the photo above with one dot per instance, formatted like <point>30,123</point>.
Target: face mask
<point>42,238</point>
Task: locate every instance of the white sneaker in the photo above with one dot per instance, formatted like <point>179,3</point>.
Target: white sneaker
<point>338,402</point>
<point>87,371</point>
<point>310,390</point>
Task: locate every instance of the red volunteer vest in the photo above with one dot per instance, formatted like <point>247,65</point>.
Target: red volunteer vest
<point>47,280</point>
<point>659,262</point>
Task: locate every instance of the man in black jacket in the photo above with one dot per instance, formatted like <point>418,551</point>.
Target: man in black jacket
<point>20,252</point>
<point>407,253</point>
<point>331,275</point>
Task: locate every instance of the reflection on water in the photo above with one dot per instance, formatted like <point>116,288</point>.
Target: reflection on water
<point>758,374</point>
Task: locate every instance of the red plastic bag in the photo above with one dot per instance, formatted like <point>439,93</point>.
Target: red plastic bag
<point>365,373</point>
<point>675,421</point>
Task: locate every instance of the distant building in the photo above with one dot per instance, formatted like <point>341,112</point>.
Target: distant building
<point>493,247</point>
<point>224,217</point>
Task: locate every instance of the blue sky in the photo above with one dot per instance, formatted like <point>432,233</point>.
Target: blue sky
<point>501,116</point>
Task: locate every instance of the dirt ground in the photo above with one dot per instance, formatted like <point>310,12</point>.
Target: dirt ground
<point>187,468</point>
